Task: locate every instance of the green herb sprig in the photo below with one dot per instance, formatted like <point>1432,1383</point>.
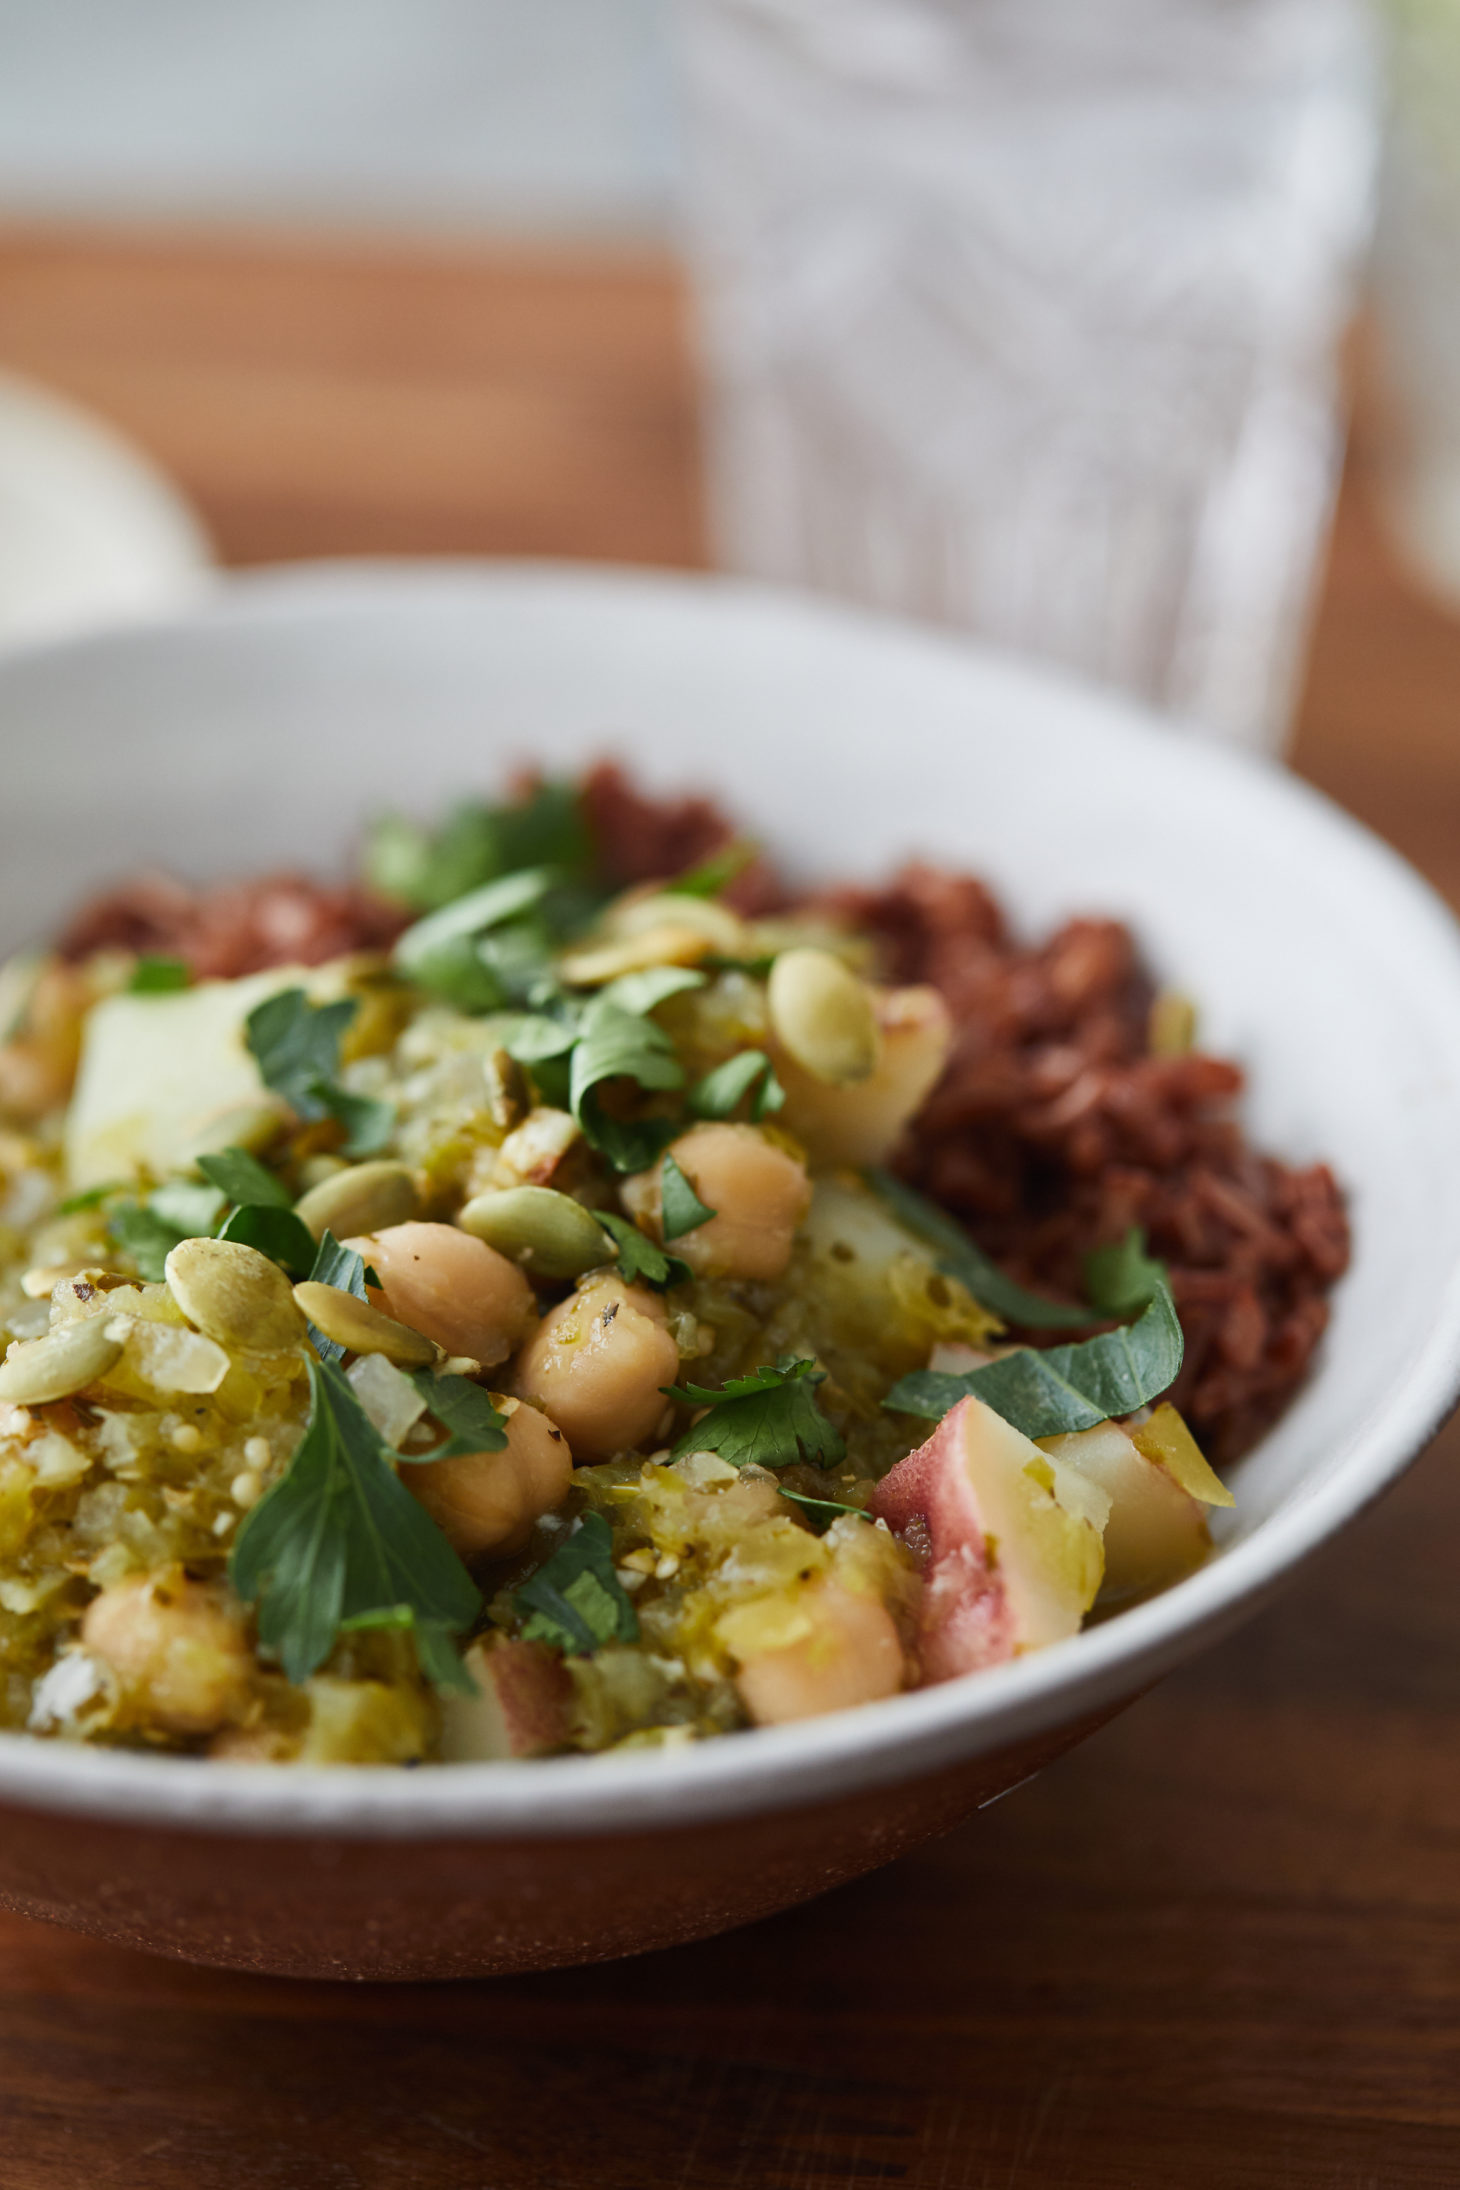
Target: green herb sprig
<point>768,1419</point>
<point>720,1092</point>
<point>640,1260</point>
<point>296,1046</point>
<point>1060,1389</point>
<point>575,1601</point>
<point>338,1542</point>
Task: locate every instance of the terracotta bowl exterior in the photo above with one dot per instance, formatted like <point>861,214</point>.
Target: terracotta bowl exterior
<point>256,732</point>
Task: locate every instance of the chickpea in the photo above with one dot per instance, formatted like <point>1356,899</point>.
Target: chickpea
<point>597,1363</point>
<point>860,1124</point>
<point>451,1287</point>
<point>852,1655</point>
<point>759,1194</point>
<point>488,1501</point>
<point>178,1652</point>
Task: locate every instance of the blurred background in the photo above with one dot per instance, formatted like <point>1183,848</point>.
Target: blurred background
<point>1032,317</point>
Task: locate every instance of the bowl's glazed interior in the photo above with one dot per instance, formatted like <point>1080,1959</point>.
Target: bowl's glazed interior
<point>259,732</point>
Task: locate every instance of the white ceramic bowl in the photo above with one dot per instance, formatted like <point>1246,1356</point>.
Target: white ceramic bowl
<point>260,729</point>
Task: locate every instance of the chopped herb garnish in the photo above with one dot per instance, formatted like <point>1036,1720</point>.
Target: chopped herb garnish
<point>716,873</point>
<point>159,976</point>
<point>640,1260</point>
<point>959,1258</point>
<point>428,868</point>
<point>339,1539</point>
<point>144,1235</point>
<point>296,1046</point>
<point>1062,1388</point>
<point>195,1210</point>
<point>1121,1278</point>
<point>90,1197</point>
<point>463,952</point>
<point>244,1179</point>
<point>642,992</point>
<point>575,1600</point>
<point>436,1653</point>
<point>275,1232</point>
<point>149,1230</point>
<point>769,1418</point>
<point>464,1410</point>
<point>621,1045</point>
<point>683,1211</point>
<point>822,1511</point>
<point>719,1093</point>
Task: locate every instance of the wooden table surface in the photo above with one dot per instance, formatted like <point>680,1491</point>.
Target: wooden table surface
<point>1217,1946</point>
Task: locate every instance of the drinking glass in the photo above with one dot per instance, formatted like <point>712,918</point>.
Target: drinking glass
<point>1021,315</point>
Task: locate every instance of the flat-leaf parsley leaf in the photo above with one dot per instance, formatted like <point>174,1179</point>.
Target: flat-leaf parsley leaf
<point>296,1046</point>
<point>1052,1392</point>
<point>682,1209</point>
<point>769,1418</point>
<point>575,1600</point>
<point>340,1539</point>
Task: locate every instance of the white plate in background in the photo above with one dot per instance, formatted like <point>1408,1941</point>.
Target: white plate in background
<point>91,532</point>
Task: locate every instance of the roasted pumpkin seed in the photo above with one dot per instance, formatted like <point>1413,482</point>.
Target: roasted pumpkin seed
<point>234,1294</point>
<point>361,1329</point>
<point>548,1233</point>
<point>823,1016</point>
<point>365,1197</point>
<point>42,1369</point>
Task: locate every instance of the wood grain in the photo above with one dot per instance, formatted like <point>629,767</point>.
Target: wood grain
<point>1219,1946</point>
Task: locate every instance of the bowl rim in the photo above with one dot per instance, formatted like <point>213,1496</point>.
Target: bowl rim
<point>813,1761</point>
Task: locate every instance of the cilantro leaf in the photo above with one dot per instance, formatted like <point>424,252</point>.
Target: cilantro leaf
<point>1122,1277</point>
<point>464,1410</point>
<point>277,1233</point>
<point>621,1045</point>
<point>715,873</point>
<point>640,1260</point>
<point>1063,1388</point>
<point>156,976</point>
<point>144,1235</point>
<point>340,1266</point>
<point>195,1210</point>
<point>476,844</point>
<point>575,1600</point>
<point>769,1417</point>
<point>443,952</point>
<point>244,1179</point>
<point>296,1046</point>
<point>149,1230</point>
<point>959,1258</point>
<point>683,1211</point>
<point>90,1197</point>
<point>339,1538</point>
<point>642,992</point>
<point>537,1037</point>
<point>719,1092</point>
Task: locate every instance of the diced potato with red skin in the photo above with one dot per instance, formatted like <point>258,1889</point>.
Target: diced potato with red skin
<point>597,1364</point>
<point>849,1654</point>
<point>488,1501</point>
<point>177,1650</point>
<point>1009,1537</point>
<point>758,1191</point>
<point>451,1287</point>
<point>523,1706</point>
<point>1157,1532</point>
<point>862,1123</point>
